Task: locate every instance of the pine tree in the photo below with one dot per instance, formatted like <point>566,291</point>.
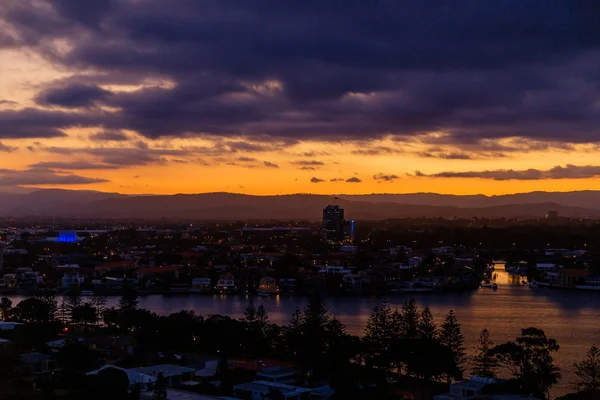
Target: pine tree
<point>427,328</point>
<point>588,372</point>
<point>409,320</point>
<point>160,388</point>
<point>315,314</point>
<point>129,300</point>
<point>49,300</point>
<point>99,304</point>
<point>262,319</point>
<point>378,336</point>
<point>250,313</point>
<point>73,301</point>
<point>452,337</point>
<point>63,312</point>
<point>484,363</point>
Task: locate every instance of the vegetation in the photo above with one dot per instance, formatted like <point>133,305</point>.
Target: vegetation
<point>404,343</point>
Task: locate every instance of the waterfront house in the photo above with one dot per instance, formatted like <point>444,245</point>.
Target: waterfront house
<point>9,281</point>
<point>226,283</point>
<point>268,285</point>
<point>71,279</point>
<point>353,282</point>
<point>201,285</point>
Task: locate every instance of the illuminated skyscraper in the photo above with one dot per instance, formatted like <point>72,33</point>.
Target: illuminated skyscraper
<point>333,224</point>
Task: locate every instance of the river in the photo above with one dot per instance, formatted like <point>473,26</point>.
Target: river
<point>571,317</point>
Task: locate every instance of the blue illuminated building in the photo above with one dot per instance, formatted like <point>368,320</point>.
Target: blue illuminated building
<point>67,237</point>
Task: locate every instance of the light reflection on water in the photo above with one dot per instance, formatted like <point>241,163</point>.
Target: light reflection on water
<point>571,317</point>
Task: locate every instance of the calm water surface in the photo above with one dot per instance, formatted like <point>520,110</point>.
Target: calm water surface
<point>571,317</point>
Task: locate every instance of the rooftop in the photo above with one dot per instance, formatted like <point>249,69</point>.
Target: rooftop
<point>264,387</point>
<point>166,369</point>
<point>181,395</point>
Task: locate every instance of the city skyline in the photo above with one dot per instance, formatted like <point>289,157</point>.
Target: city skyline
<point>372,97</point>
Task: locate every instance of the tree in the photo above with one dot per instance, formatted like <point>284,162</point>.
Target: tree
<point>529,359</point>
<point>262,319</point>
<point>484,364</point>
<point>427,328</point>
<point>109,383</point>
<point>5,308</point>
<point>409,320</point>
<point>160,388</point>
<point>99,303</point>
<point>32,310</point>
<point>129,300</point>
<point>588,372</point>
<point>73,301</point>
<point>85,314</point>
<point>49,299</point>
<point>452,337</point>
<point>378,336</point>
<point>250,313</point>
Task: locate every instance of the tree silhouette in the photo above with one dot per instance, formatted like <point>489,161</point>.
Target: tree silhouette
<point>427,328</point>
<point>484,363</point>
<point>588,372</point>
<point>378,336</point>
<point>452,337</point>
<point>160,388</point>
<point>529,359</point>
<point>5,308</point>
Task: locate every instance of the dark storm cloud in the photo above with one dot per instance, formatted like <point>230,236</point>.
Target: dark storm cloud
<point>314,179</point>
<point>73,96</point>
<point>567,172</point>
<point>353,180</point>
<point>476,70</point>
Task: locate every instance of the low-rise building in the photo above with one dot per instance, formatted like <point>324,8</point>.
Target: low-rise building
<point>173,374</point>
<point>259,390</point>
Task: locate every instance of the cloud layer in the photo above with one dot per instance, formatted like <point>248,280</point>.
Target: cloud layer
<point>477,71</point>
<point>558,172</point>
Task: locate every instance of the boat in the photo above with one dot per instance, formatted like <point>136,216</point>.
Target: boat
<point>533,284</point>
<point>87,293</point>
<point>263,294</point>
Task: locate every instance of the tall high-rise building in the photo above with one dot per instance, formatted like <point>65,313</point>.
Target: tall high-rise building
<point>334,227</point>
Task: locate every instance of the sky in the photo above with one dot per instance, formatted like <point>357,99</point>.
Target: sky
<point>300,96</point>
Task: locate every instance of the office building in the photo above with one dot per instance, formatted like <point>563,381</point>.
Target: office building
<point>335,228</point>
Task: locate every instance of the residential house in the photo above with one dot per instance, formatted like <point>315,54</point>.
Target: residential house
<point>473,389</point>
<point>113,348</point>
<point>201,285</point>
<point>287,374</point>
<point>226,283</point>
<point>174,374</point>
<point>39,367</point>
<point>268,285</point>
<point>143,381</point>
<point>259,390</point>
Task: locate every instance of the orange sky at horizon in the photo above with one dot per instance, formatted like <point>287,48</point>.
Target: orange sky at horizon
<point>206,164</point>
